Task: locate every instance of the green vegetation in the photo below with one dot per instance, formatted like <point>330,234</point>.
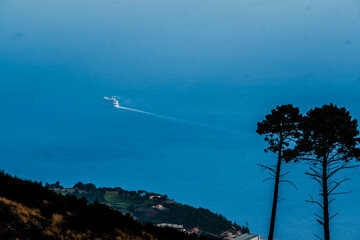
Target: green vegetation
<point>31,211</point>
<point>154,208</point>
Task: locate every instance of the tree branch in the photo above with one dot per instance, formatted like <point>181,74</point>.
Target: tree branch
<point>333,216</point>
<point>318,237</point>
<point>267,179</point>
<point>287,181</point>
<point>264,167</point>
<point>313,201</point>
<point>337,184</point>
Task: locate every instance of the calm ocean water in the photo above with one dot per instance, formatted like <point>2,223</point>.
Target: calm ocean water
<point>223,65</point>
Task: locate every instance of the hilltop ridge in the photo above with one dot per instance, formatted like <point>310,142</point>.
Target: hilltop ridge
<point>156,208</point>
<point>30,211</point>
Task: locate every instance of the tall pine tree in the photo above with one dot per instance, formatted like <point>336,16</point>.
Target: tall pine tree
<point>280,128</point>
<point>328,144</point>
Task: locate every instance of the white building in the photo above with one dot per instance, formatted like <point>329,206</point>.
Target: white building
<point>170,225</point>
<point>248,237</point>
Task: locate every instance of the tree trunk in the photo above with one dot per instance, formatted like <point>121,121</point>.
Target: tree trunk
<point>276,194</point>
<point>325,195</point>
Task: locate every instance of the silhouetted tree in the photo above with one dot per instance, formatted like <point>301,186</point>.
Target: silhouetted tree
<point>54,185</point>
<point>327,144</point>
<point>85,187</point>
<point>79,185</point>
<point>280,129</point>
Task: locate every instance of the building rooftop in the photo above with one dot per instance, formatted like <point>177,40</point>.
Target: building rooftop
<point>246,237</point>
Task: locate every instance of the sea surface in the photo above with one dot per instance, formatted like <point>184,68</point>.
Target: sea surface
<point>212,68</point>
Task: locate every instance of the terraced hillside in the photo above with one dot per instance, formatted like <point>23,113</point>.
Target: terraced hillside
<point>30,211</point>
<point>154,208</point>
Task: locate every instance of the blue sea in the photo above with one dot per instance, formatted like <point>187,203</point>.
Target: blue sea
<point>213,69</point>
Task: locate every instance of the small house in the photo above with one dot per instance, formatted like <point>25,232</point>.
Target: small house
<point>248,237</point>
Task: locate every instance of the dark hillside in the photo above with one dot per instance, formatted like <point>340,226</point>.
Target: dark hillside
<point>153,207</point>
<point>31,211</point>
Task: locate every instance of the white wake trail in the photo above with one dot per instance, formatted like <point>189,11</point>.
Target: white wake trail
<point>115,103</point>
<point>152,114</point>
